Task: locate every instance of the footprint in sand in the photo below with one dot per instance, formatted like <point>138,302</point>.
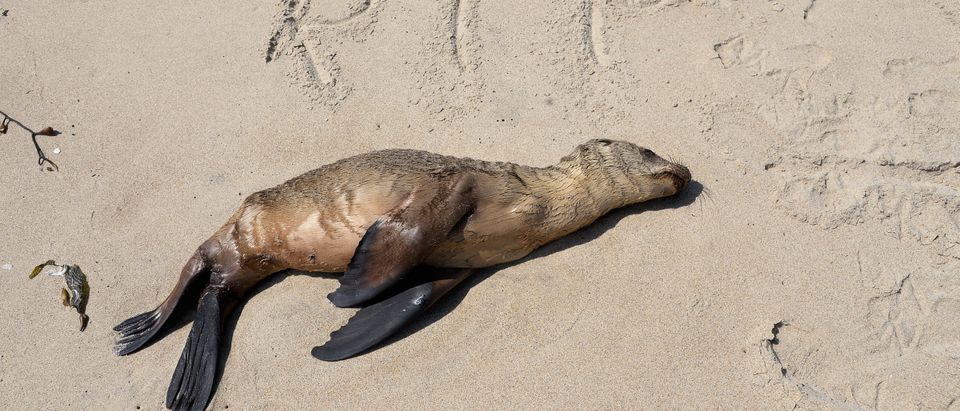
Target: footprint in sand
<point>845,157</point>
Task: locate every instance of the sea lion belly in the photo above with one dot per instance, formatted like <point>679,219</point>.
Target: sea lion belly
<point>323,236</point>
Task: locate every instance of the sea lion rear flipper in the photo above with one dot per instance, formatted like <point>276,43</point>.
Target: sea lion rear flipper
<point>394,244</point>
<point>138,330</point>
<point>192,381</point>
<point>374,323</point>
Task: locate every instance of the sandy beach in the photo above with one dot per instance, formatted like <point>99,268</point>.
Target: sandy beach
<point>814,263</point>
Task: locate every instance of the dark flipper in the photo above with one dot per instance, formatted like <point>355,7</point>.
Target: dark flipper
<point>396,243</point>
<point>193,378</point>
<point>374,323</point>
<point>138,330</point>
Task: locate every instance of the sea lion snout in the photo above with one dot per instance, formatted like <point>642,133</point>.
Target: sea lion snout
<point>649,175</point>
<point>669,180</point>
<point>643,164</point>
<point>680,175</point>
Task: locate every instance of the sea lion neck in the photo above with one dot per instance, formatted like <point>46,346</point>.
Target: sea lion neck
<point>575,194</point>
<point>598,178</point>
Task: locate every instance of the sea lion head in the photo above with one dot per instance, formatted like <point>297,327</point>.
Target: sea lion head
<point>634,170</point>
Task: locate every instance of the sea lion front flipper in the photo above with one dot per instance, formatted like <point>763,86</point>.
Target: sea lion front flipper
<point>394,244</point>
<point>374,323</point>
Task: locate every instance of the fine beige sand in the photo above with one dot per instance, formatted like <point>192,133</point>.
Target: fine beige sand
<point>826,135</point>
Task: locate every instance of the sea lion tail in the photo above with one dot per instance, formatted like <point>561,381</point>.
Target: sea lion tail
<point>138,330</point>
<point>193,379</point>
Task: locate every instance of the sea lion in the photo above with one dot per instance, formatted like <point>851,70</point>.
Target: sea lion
<point>376,217</point>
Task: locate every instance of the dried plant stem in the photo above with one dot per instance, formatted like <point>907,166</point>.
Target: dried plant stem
<point>46,131</point>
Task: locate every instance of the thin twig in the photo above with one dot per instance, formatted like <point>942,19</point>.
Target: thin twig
<point>46,131</point>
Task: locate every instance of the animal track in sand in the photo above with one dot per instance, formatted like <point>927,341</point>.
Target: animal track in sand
<point>913,66</point>
<point>907,201</point>
<point>846,157</point>
<point>908,331</point>
<point>737,51</point>
<point>905,178</point>
<point>790,360</point>
<point>897,313</point>
<point>933,103</point>
<point>950,11</point>
<point>303,33</point>
<point>914,315</point>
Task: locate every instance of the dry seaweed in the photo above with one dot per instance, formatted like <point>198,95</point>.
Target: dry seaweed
<point>77,291</point>
<point>46,131</point>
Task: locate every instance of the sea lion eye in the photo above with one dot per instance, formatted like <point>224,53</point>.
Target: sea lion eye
<point>646,152</point>
<point>604,142</point>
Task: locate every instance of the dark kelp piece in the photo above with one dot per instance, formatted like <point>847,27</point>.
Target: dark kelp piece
<point>76,293</point>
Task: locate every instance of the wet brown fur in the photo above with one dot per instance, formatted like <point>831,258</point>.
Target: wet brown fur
<point>315,221</point>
